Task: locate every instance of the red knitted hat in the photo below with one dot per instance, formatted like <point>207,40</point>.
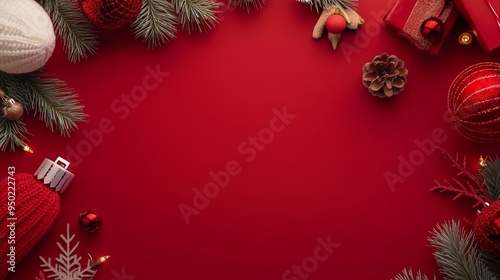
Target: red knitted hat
<point>35,207</point>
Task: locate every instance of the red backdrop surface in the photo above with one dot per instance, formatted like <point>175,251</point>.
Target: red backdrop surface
<point>320,176</point>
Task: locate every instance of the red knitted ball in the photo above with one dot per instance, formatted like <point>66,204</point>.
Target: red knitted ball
<point>487,229</point>
<point>110,14</point>
<point>474,102</point>
<point>36,207</point>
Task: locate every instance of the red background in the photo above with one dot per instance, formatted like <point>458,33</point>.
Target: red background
<point>323,175</point>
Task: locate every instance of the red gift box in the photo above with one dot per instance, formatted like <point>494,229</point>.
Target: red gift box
<point>407,16</point>
<point>481,17</point>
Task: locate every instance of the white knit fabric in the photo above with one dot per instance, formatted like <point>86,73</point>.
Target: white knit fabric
<point>27,37</point>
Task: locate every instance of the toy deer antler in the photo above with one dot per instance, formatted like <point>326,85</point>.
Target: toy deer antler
<point>472,188</point>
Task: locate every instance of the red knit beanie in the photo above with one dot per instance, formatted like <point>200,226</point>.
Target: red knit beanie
<point>35,206</point>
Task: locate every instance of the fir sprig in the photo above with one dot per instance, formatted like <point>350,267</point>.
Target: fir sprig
<point>12,134</point>
<point>456,253</point>
<point>491,175</point>
<point>492,263</point>
<point>78,35</point>
<point>247,4</point>
<point>197,14</point>
<point>320,4</point>
<point>156,23</point>
<point>408,275</point>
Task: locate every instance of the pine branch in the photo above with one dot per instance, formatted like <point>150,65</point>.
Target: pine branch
<point>491,175</point>
<point>54,102</point>
<point>473,188</point>
<point>78,35</point>
<point>408,275</point>
<point>456,253</point>
<point>492,263</point>
<point>197,14</point>
<point>156,23</point>
<point>12,134</point>
<point>320,4</point>
<point>247,4</point>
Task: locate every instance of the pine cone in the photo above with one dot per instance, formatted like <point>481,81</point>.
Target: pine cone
<point>385,76</point>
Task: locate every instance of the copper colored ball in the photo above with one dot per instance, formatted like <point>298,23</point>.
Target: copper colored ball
<point>432,28</point>
<point>90,221</point>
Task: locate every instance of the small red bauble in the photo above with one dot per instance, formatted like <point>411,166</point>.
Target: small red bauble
<point>474,102</point>
<point>432,28</point>
<point>487,229</point>
<point>90,221</point>
<point>110,14</point>
<point>335,24</point>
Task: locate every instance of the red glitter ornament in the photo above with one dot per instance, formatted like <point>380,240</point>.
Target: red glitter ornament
<point>487,229</point>
<point>474,102</point>
<point>335,24</point>
<point>110,14</point>
<point>90,221</point>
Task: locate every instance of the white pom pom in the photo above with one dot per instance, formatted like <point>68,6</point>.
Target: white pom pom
<point>27,37</point>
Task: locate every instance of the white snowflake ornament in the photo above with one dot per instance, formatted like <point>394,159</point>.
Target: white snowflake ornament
<point>67,266</point>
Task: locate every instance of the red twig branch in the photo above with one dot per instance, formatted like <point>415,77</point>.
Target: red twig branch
<point>472,188</point>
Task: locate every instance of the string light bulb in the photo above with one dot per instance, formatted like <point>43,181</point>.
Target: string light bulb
<point>99,261</point>
<point>465,38</point>
<point>27,148</point>
<point>483,162</point>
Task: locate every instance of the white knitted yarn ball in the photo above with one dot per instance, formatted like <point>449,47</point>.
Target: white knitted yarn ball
<point>27,37</point>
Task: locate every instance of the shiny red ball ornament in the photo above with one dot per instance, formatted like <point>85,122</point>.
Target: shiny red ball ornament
<point>474,102</point>
<point>90,221</point>
<point>335,24</point>
<point>487,229</point>
<point>432,28</point>
<point>110,14</point>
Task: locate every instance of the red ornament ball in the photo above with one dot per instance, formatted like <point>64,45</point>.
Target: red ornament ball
<point>335,24</point>
<point>432,28</point>
<point>90,221</point>
<point>474,102</point>
<point>110,14</point>
<point>487,229</point>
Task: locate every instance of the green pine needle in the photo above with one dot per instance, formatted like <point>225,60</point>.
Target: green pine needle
<point>12,134</point>
<point>197,14</point>
<point>156,23</point>
<point>78,35</point>
<point>247,4</point>
<point>492,263</point>
<point>320,4</point>
<point>456,253</point>
<point>408,275</point>
<point>491,175</point>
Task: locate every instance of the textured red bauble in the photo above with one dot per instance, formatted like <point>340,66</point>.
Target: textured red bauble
<point>335,24</point>
<point>432,28</point>
<point>110,14</point>
<point>487,229</point>
<point>90,221</point>
<point>474,102</point>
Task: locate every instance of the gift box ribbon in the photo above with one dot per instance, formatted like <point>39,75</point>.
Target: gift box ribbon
<point>423,10</point>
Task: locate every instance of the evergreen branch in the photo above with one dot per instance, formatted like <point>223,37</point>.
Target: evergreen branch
<point>78,35</point>
<point>321,4</point>
<point>492,263</point>
<point>55,103</point>
<point>156,22</point>
<point>197,14</point>
<point>456,253</point>
<point>408,275</point>
<point>491,175</point>
<point>247,4</point>
<point>12,134</point>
